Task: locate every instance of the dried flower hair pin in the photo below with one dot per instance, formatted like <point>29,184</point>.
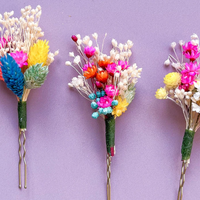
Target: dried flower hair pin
<point>108,82</point>
<point>183,88</point>
<point>24,62</point>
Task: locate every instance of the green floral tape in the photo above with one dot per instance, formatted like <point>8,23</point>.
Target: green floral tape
<point>110,133</point>
<point>187,144</point>
<point>22,114</point>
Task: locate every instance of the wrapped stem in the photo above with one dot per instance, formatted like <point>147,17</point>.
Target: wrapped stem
<point>22,114</point>
<point>187,144</point>
<point>110,134</point>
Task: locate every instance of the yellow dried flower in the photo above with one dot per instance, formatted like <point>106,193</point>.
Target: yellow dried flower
<point>120,108</point>
<point>161,93</point>
<point>172,80</point>
<point>38,53</point>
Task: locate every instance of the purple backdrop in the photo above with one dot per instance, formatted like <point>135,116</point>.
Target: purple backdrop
<point>66,152</point>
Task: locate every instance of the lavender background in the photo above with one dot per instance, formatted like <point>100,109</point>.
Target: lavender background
<point>66,152</point>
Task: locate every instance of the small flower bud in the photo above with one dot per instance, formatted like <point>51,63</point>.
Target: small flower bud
<point>74,38</point>
<point>181,42</point>
<point>167,62</point>
<point>173,45</point>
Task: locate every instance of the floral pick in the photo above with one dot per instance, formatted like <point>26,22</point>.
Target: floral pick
<point>108,82</point>
<point>24,61</point>
<point>183,88</point>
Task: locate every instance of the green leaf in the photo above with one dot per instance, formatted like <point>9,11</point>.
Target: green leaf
<point>35,76</point>
<point>130,93</point>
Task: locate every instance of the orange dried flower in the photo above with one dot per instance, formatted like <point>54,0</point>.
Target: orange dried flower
<point>104,63</point>
<point>102,76</point>
<point>90,72</point>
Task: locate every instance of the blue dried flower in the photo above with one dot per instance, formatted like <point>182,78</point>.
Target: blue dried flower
<point>12,75</point>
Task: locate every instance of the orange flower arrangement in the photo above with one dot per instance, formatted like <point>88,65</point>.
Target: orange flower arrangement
<point>90,72</point>
<point>102,76</point>
<point>104,63</point>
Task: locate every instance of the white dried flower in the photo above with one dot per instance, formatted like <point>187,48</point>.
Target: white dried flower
<point>130,44</point>
<point>71,54</point>
<point>70,85</point>
<point>129,53</point>
<point>194,42</point>
<point>114,43</point>
<point>77,60</point>
<point>181,42</point>
<point>194,36</point>
<point>195,107</point>
<point>173,45</point>
<point>78,36</point>
<point>86,39</point>
<point>167,62</point>
<point>68,63</point>
<point>125,47</point>
<point>117,75</point>
<point>90,43</point>
<point>95,36</point>
<point>79,42</point>
<point>117,56</point>
<point>119,68</point>
<point>56,52</point>
<point>179,93</point>
<point>176,65</point>
<point>121,46</point>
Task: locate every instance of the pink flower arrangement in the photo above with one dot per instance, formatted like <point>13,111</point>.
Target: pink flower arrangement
<point>189,75</point>
<point>123,64</point>
<point>111,91</point>
<point>89,51</point>
<point>111,68</point>
<point>105,102</point>
<point>190,51</point>
<point>20,58</point>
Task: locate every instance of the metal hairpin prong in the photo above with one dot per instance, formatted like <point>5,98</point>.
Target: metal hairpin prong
<point>25,165</point>
<point>109,177</point>
<point>184,167</point>
<point>22,131</point>
<point>20,160</point>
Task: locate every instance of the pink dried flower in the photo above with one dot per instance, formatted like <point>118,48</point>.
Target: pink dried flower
<point>20,58</point>
<point>111,91</point>
<point>105,102</point>
<point>86,66</point>
<point>89,51</point>
<point>191,69</point>
<point>3,42</point>
<point>189,75</point>
<point>111,68</point>
<point>123,64</point>
<point>190,51</point>
<point>99,85</point>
